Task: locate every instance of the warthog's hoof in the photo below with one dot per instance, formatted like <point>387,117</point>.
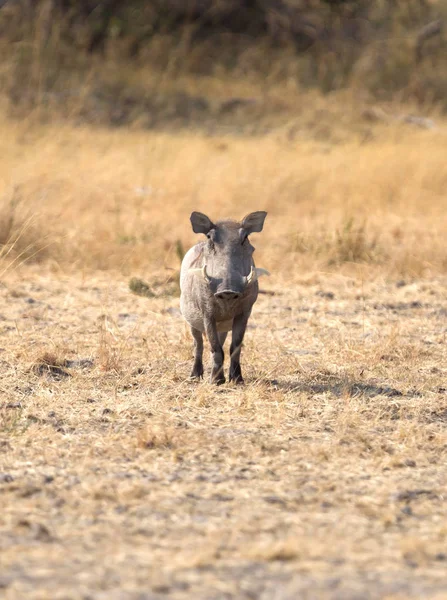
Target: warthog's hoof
<point>218,378</point>
<point>194,377</point>
<point>197,371</point>
<point>236,374</point>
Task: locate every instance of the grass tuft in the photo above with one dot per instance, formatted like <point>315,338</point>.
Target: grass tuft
<point>51,365</point>
<point>156,437</point>
<point>140,288</point>
<point>22,237</point>
<point>353,243</point>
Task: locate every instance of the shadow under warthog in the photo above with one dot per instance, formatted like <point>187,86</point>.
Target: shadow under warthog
<point>338,387</point>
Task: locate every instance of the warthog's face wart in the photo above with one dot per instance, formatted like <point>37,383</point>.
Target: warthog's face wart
<point>227,254</point>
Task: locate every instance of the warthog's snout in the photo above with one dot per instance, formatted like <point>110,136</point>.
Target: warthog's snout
<point>227,295</point>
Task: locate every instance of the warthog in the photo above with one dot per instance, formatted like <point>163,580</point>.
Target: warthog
<point>219,286</point>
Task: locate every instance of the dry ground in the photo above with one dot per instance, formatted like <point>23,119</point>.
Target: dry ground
<point>325,475</point>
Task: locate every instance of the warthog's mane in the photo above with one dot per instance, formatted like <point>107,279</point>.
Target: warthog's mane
<point>230,223</point>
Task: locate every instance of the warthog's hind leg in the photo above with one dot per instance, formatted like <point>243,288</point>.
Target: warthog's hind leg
<point>197,370</point>
<point>239,327</point>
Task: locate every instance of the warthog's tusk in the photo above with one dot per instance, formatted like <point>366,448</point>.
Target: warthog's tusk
<point>255,273</point>
<point>251,276</point>
<point>202,272</point>
<point>260,272</point>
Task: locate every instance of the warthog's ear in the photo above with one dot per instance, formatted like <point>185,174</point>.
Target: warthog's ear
<point>200,223</point>
<point>254,222</point>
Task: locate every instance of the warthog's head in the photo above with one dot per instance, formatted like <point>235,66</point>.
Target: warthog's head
<point>228,266</point>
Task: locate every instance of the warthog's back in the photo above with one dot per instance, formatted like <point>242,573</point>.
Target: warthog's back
<point>189,298</point>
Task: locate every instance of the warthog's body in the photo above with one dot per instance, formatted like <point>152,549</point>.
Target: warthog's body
<point>218,282</point>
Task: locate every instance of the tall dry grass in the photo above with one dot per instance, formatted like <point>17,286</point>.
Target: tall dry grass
<point>80,198</point>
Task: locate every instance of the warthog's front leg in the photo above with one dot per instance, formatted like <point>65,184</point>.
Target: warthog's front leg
<point>217,353</point>
<point>197,370</point>
<point>239,327</point>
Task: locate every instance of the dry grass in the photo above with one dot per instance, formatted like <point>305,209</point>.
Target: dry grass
<point>100,197</point>
<point>325,475</point>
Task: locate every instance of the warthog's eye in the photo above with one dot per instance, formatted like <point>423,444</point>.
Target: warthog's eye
<point>210,237</point>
